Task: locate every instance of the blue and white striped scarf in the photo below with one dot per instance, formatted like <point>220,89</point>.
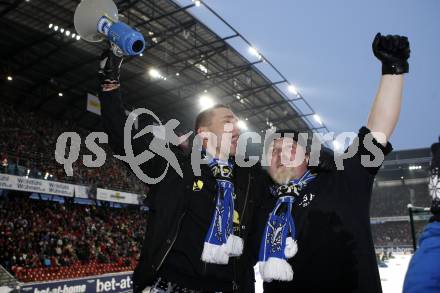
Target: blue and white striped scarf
<point>220,241</point>
<point>279,239</point>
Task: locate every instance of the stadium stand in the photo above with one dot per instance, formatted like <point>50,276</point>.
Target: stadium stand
<point>28,140</point>
<point>46,240</point>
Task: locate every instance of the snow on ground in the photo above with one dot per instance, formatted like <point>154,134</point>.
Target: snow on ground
<point>392,277</point>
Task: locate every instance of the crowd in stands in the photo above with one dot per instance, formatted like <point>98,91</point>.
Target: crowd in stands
<point>393,200</point>
<point>41,234</point>
<point>27,148</point>
<point>395,234</point>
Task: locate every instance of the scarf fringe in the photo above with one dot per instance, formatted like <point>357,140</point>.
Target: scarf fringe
<point>217,254</point>
<point>291,247</point>
<point>275,269</point>
<point>235,245</point>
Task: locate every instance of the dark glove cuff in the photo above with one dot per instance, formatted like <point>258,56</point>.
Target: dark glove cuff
<point>395,68</point>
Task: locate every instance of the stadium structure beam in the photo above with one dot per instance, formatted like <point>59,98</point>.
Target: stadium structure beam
<point>11,7</point>
<point>164,15</point>
<point>292,116</point>
<point>269,105</point>
<point>216,83</point>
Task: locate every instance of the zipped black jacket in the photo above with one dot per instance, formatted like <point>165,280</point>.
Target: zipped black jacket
<point>168,203</point>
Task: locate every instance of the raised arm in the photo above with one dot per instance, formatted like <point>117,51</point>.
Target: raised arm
<point>114,117</point>
<point>393,52</point>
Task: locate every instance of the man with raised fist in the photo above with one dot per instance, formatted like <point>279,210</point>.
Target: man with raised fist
<point>316,236</point>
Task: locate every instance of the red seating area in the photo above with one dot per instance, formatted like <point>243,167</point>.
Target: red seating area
<point>77,270</point>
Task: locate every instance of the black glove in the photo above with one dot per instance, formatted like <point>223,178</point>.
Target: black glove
<point>393,52</point>
<point>109,68</point>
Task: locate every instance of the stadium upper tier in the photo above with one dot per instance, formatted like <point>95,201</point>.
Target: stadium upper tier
<point>52,70</point>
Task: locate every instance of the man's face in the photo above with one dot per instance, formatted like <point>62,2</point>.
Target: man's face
<point>224,121</point>
<point>288,160</point>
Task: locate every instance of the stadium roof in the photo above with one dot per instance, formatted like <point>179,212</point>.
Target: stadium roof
<point>52,71</point>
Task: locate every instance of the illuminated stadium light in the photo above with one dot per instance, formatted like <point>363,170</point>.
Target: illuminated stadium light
<point>246,119</point>
<point>197,2</point>
<point>177,74</point>
<point>141,54</point>
<point>202,68</point>
<point>78,37</point>
<point>292,89</point>
<point>154,73</point>
<point>9,78</point>
<point>317,119</point>
<point>150,33</point>
<point>61,30</point>
<point>242,125</point>
<point>254,52</point>
<point>418,167</point>
<point>238,96</point>
<point>154,40</point>
<point>50,25</point>
<point>205,102</point>
<point>67,33</point>
<point>242,101</point>
<point>55,28</point>
<point>60,94</point>
<point>46,175</point>
<point>73,36</point>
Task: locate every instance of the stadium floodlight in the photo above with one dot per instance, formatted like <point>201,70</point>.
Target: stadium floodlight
<point>73,36</point>
<point>317,119</point>
<point>50,25</point>
<point>254,52</point>
<point>9,78</point>
<point>154,73</point>
<point>238,96</point>
<point>61,30</point>
<point>141,54</point>
<point>67,33</point>
<point>242,125</point>
<point>55,28</point>
<point>197,2</point>
<point>78,37</point>
<point>205,102</point>
<point>177,74</point>
<point>46,175</point>
<point>246,119</point>
<point>60,94</point>
<point>292,89</point>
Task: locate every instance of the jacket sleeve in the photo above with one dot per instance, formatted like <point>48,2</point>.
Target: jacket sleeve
<point>113,118</point>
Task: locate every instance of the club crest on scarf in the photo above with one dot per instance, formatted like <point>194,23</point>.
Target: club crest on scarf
<point>220,241</point>
<point>279,239</point>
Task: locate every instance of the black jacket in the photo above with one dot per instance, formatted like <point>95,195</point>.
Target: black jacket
<point>168,203</point>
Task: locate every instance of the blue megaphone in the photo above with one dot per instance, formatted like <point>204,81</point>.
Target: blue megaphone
<point>96,20</point>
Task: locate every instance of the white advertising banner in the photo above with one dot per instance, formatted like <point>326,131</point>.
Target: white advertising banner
<point>81,191</point>
<point>35,185</point>
<point>116,196</point>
